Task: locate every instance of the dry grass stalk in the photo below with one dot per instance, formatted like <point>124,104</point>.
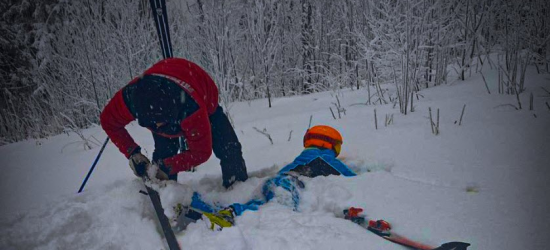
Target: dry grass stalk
<point>485,81</point>
<point>434,125</point>
<point>264,132</point>
<point>531,100</point>
<point>461,115</point>
<point>375,120</point>
<point>332,112</point>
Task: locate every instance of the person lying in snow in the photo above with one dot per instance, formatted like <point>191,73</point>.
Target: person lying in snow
<point>322,146</point>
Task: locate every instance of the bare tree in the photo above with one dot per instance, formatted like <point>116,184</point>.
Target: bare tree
<point>62,60</point>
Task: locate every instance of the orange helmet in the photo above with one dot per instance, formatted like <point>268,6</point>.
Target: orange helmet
<point>324,137</point>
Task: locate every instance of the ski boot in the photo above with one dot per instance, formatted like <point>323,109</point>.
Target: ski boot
<point>221,219</point>
<point>217,220</point>
<point>352,214</point>
<point>380,225</point>
<point>184,217</point>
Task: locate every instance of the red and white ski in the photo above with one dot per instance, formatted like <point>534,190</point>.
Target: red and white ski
<point>383,229</point>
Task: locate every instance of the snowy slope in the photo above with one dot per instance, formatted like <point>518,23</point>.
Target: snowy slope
<point>484,182</point>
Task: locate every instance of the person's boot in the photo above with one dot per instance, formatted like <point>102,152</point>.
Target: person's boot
<point>380,225</point>
<point>221,219</point>
<point>184,217</point>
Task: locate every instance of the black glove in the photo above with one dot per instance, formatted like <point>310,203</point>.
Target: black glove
<point>139,163</point>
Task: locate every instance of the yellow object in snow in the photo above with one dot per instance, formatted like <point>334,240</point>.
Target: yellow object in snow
<point>223,219</point>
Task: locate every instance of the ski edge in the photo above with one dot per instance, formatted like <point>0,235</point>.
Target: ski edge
<point>164,223</point>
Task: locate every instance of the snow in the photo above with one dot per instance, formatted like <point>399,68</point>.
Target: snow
<point>484,182</point>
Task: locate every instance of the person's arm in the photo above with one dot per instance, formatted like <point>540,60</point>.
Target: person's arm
<point>341,167</point>
<point>196,130</point>
<point>304,158</point>
<point>114,118</point>
<point>227,148</point>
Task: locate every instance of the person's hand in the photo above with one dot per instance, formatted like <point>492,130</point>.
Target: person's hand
<point>139,164</point>
<point>163,171</point>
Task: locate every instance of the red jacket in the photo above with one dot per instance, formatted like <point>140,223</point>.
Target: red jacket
<point>196,128</point>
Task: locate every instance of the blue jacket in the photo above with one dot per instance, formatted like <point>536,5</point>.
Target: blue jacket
<point>327,155</point>
<point>288,182</point>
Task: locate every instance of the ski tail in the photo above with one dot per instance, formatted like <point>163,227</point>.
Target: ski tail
<point>401,240</point>
<point>161,23</point>
<point>164,223</point>
<point>453,246</point>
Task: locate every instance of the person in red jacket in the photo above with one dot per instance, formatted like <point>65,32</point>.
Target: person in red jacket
<point>175,98</point>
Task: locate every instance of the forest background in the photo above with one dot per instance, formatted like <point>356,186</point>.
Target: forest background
<point>61,61</point>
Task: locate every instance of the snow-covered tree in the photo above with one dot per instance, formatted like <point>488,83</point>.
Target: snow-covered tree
<point>62,60</point>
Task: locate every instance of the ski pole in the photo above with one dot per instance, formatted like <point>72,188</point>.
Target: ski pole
<point>93,165</point>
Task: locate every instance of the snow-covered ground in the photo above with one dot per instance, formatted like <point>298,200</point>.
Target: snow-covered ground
<point>485,182</point>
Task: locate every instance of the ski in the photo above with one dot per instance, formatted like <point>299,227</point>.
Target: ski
<point>164,223</point>
<point>401,240</point>
<point>352,214</point>
<point>161,23</point>
<point>160,15</point>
